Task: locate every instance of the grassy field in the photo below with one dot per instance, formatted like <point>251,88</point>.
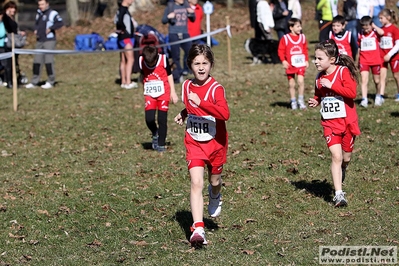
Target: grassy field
<point>79,185</point>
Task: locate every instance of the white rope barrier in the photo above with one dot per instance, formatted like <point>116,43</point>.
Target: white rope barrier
<point>46,51</point>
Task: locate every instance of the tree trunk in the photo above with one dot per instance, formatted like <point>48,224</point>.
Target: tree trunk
<point>229,4</point>
<point>73,11</point>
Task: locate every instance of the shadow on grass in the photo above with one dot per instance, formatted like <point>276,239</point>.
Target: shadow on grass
<point>148,145</point>
<point>395,114</point>
<point>185,221</point>
<point>281,104</point>
<point>318,188</point>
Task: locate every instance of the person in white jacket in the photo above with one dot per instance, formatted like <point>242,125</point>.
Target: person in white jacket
<point>295,7</point>
<point>264,17</point>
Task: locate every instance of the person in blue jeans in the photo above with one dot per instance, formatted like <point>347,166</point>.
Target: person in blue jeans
<point>176,14</point>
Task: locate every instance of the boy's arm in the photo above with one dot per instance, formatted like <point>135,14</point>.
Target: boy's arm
<point>173,95</point>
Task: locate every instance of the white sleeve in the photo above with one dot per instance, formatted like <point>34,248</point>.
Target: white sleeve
<point>395,49</point>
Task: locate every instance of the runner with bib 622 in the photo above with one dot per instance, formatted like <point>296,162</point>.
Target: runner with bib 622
<point>335,91</point>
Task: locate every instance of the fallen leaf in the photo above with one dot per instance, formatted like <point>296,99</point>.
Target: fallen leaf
<point>248,252</point>
<point>139,243</point>
<point>95,243</point>
<point>45,212</point>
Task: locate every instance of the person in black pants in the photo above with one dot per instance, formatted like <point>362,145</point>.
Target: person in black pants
<point>11,26</point>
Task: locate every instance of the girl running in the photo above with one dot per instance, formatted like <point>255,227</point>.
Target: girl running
<point>335,91</point>
<point>206,136</point>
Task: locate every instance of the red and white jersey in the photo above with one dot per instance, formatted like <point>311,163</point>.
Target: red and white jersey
<point>369,49</point>
<point>293,49</point>
<point>206,134</point>
<point>341,95</point>
<point>387,41</point>
<point>343,43</point>
<point>155,79</point>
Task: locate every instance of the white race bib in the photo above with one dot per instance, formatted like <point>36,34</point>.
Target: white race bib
<point>386,42</point>
<point>298,60</point>
<point>368,44</point>
<point>154,88</point>
<point>201,128</point>
<point>332,107</point>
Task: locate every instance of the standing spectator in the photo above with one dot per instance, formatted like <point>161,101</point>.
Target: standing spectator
<point>125,29</point>
<point>365,8</point>
<point>280,16</point>
<point>350,15</point>
<point>295,7</point>
<point>379,5</point>
<point>176,15</point>
<point>11,26</point>
<point>253,5</point>
<point>194,27</point>
<point>293,53</point>
<point>47,22</point>
<point>264,17</point>
<point>3,36</point>
<point>325,22</point>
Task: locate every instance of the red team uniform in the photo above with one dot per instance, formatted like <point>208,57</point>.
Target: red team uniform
<point>294,49</point>
<point>343,43</point>
<point>369,52</point>
<point>156,85</point>
<point>339,117</point>
<point>387,42</point>
<point>206,135</point>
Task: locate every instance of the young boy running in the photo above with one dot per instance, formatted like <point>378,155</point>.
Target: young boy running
<point>342,37</point>
<point>369,56</point>
<point>293,53</point>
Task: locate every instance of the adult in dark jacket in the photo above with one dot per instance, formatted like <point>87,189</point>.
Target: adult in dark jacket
<point>47,22</point>
<point>280,16</point>
<point>11,26</point>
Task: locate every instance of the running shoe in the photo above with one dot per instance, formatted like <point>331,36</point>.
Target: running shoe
<point>364,103</point>
<point>155,142</point>
<point>339,200</point>
<point>397,98</point>
<point>294,105</point>
<point>197,238</point>
<point>301,104</point>
<point>379,100</point>
<point>215,204</point>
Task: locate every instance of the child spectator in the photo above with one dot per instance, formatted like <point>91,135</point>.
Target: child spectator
<point>293,53</point>
<point>342,37</point>
<point>369,56</point>
<point>159,89</point>
<point>176,15</point>
<point>206,136</point>
<point>335,91</point>
<point>389,45</point>
<point>194,27</point>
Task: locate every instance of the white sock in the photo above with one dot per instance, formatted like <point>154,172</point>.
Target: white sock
<point>300,97</point>
<point>337,192</point>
